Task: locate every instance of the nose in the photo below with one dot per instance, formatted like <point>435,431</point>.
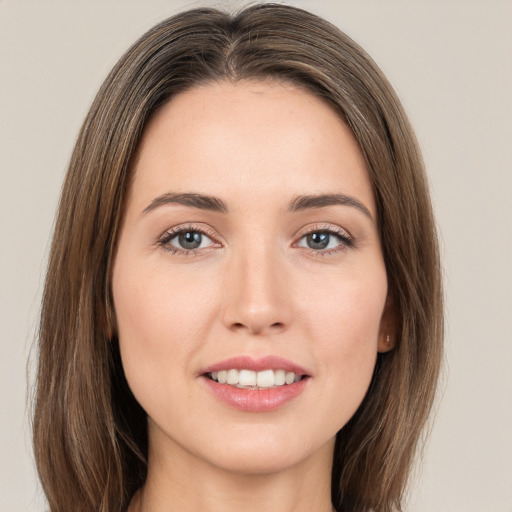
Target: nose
<point>257,293</point>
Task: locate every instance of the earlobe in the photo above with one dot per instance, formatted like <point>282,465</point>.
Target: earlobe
<point>386,343</point>
<point>388,327</point>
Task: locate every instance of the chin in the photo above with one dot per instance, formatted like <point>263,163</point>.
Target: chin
<point>266,453</point>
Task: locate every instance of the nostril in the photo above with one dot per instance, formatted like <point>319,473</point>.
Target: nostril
<point>276,326</point>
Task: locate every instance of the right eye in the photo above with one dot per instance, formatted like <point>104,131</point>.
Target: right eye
<point>189,240</point>
<point>186,240</point>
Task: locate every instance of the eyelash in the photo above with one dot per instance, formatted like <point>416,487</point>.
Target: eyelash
<point>346,241</point>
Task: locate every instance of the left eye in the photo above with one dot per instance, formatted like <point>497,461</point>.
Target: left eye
<point>320,240</point>
<point>189,240</point>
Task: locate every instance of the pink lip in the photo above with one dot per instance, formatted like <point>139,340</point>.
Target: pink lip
<point>256,365</point>
<point>256,400</point>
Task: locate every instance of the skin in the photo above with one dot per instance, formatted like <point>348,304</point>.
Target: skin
<point>254,287</point>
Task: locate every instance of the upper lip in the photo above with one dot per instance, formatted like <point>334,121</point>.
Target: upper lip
<point>256,364</point>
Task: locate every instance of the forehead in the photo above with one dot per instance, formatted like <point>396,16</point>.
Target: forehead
<point>249,137</point>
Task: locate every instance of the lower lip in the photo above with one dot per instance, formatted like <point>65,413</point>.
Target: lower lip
<point>256,400</point>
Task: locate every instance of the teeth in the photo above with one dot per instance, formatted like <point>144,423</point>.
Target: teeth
<point>251,379</point>
<point>247,378</point>
<point>232,377</point>
<point>265,379</point>
<point>280,377</point>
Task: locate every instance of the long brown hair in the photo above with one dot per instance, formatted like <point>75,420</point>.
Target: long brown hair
<point>90,435</point>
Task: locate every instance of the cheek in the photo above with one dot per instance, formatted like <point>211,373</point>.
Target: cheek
<point>344,321</point>
<point>345,311</point>
<point>162,318</point>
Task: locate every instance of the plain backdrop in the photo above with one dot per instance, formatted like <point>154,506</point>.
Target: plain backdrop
<point>451,64</point>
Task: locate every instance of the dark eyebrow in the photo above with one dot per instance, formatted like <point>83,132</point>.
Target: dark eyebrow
<point>194,200</point>
<point>321,200</point>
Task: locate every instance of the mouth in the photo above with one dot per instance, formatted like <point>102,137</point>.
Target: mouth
<point>250,379</point>
<point>256,385</point>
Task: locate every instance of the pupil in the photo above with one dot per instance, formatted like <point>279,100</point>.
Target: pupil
<point>190,239</point>
<point>318,240</point>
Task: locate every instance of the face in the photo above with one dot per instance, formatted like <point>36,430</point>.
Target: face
<point>249,284</point>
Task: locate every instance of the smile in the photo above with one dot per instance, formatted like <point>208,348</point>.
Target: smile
<point>249,379</point>
<point>261,384</point>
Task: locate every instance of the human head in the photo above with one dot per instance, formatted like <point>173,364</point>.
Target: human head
<point>84,405</point>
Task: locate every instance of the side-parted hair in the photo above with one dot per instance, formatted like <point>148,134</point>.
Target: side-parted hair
<point>90,434</point>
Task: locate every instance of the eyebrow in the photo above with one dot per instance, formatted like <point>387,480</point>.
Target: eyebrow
<point>305,202</point>
<point>194,200</point>
<point>299,203</point>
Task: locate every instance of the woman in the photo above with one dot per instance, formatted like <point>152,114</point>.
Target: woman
<point>243,301</point>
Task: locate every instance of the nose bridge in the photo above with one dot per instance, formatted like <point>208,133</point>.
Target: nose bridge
<point>256,295</point>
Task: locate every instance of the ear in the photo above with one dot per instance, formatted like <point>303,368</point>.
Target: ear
<point>388,327</point>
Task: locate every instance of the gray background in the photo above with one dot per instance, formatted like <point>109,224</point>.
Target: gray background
<point>450,62</point>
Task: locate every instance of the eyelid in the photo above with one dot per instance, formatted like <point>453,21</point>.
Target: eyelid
<point>323,226</point>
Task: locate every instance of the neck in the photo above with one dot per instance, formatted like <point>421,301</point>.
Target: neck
<point>180,481</point>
